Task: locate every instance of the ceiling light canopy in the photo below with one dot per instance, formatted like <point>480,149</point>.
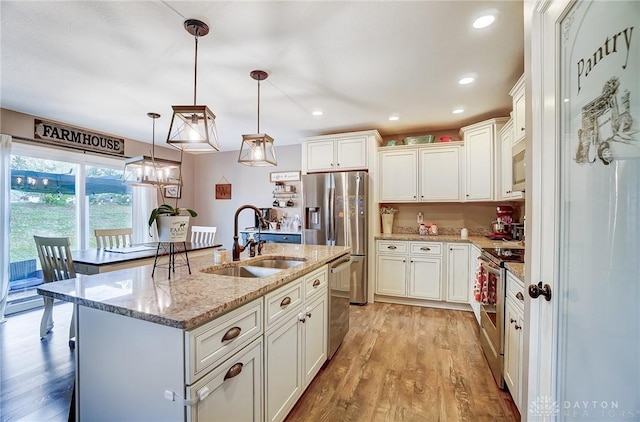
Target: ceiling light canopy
<point>257,149</point>
<point>193,127</point>
<point>151,171</point>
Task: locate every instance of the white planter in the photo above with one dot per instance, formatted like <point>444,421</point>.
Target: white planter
<point>173,228</point>
<point>387,223</point>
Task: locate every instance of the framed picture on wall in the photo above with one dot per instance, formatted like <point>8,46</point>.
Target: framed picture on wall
<point>172,192</point>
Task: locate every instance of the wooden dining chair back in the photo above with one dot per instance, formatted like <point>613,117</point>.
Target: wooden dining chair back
<point>203,234</point>
<point>57,264</point>
<point>113,238</point>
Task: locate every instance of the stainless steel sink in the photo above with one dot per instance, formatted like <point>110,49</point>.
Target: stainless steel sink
<point>248,271</point>
<point>277,263</point>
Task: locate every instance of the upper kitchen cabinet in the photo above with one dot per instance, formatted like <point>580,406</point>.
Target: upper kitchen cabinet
<point>519,126</point>
<point>482,159</point>
<point>506,141</point>
<point>341,152</point>
<point>427,174</point>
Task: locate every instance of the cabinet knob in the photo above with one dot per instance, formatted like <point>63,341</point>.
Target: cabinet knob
<point>234,371</point>
<point>285,302</point>
<point>231,334</point>
<point>518,327</point>
<point>539,290</point>
<point>301,317</point>
<point>308,312</point>
<point>512,320</point>
<point>521,129</point>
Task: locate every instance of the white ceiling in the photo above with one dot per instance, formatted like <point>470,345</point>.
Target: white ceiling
<point>103,65</point>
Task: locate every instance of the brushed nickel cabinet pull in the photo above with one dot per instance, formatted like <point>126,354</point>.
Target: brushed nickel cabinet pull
<point>316,282</point>
<point>392,247</point>
<point>286,301</point>
<point>232,333</point>
<point>234,371</point>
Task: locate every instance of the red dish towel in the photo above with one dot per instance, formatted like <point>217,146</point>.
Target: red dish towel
<point>485,288</point>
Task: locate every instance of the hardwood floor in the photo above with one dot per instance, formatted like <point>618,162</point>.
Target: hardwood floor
<point>36,377</point>
<point>404,363</point>
<point>397,363</point>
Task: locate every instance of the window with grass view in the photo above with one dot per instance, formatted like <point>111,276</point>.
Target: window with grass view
<point>51,197</point>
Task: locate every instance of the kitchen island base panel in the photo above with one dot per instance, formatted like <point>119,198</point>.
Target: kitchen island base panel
<point>125,365</point>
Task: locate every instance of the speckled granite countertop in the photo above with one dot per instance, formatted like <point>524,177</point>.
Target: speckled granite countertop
<point>186,300</point>
<point>515,269</point>
<point>479,241</point>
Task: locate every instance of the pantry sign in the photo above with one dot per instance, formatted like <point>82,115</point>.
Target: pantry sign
<point>79,139</point>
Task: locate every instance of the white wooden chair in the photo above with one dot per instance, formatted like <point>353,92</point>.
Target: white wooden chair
<point>113,238</point>
<point>203,234</point>
<point>57,264</point>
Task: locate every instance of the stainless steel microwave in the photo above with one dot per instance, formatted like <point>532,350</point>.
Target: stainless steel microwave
<point>518,166</point>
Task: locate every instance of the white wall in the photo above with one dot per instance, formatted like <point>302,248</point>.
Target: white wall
<point>249,185</point>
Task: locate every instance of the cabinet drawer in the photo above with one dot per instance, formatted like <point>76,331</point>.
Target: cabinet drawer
<point>209,344</point>
<point>515,286</point>
<point>315,282</point>
<point>283,301</point>
<point>426,248</point>
<point>392,247</point>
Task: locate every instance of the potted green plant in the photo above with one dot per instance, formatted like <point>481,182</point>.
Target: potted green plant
<point>172,222</point>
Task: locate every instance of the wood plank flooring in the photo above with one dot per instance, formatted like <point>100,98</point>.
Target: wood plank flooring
<point>36,377</point>
<point>404,363</point>
<point>398,363</point>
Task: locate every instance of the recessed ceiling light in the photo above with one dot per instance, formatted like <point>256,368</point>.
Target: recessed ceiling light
<point>394,117</point>
<point>458,111</point>
<point>317,113</point>
<point>466,81</point>
<point>484,21</point>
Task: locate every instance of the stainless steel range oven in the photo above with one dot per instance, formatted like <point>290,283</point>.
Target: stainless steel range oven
<point>490,292</point>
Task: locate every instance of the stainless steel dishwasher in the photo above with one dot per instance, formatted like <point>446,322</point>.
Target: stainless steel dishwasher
<point>339,298</point>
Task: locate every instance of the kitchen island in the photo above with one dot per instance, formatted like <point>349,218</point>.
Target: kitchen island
<point>161,349</point>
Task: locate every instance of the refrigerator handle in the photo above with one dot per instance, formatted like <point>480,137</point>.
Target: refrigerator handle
<point>332,218</point>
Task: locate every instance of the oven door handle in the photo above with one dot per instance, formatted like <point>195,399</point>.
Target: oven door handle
<point>490,268</point>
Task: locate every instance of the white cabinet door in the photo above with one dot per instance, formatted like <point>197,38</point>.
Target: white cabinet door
<point>481,160</point>
<point>391,271</point>
<point>519,126</point>
<point>425,278</point>
<point>458,272</point>
<point>231,392</point>
<point>506,163</point>
<point>320,155</point>
<point>315,337</point>
<point>475,253</point>
<point>513,350</point>
<point>283,368</point>
<point>399,176</point>
<point>479,164</point>
<point>439,170</point>
<point>351,153</point>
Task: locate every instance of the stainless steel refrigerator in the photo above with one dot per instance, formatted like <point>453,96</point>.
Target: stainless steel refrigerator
<point>335,213</point>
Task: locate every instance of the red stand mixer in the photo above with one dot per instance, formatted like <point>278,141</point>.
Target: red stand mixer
<point>501,226</point>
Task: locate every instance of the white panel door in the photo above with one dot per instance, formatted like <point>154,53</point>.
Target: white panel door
<point>351,153</point>
<point>479,151</point>
<point>458,272</point>
<point>320,155</point>
<point>391,275</point>
<point>425,278</point>
<point>586,205</point>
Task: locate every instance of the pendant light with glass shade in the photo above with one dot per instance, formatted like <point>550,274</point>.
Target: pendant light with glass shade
<point>257,149</point>
<point>151,171</point>
<point>193,127</point>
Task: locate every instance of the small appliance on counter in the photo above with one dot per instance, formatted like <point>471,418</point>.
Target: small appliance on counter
<point>504,220</point>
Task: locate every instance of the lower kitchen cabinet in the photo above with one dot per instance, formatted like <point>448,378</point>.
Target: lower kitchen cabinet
<point>513,338</point>
<point>409,269</point>
<point>457,272</point>
<point>232,392</point>
<point>295,345</point>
